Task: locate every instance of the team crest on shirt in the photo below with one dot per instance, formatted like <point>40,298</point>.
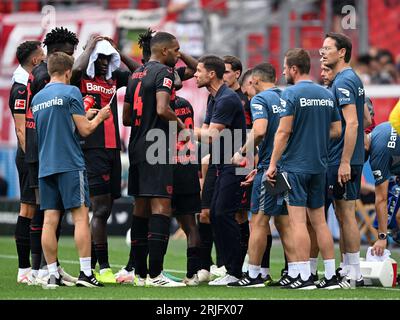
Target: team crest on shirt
<point>257,106</point>
<point>377,174</point>
<point>344,91</point>
<point>20,104</point>
<point>167,83</point>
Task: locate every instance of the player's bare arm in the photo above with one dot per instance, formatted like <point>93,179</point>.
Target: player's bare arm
<point>165,111</point>
<point>254,138</point>
<point>191,65</point>
<point>81,63</point>
<point>350,139</point>
<point>127,114</point>
<point>86,127</point>
<point>128,61</point>
<point>335,130</point>
<point>381,196</point>
<point>281,138</point>
<point>19,120</point>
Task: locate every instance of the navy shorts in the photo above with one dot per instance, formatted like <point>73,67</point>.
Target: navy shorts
<point>66,190</point>
<point>351,190</point>
<point>262,201</point>
<point>33,175</point>
<point>104,171</point>
<point>307,190</point>
<point>228,193</point>
<point>147,180</point>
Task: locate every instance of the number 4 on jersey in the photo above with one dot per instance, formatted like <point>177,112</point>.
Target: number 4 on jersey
<point>138,104</point>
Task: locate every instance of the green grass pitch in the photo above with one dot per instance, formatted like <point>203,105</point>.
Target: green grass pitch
<point>175,263</point>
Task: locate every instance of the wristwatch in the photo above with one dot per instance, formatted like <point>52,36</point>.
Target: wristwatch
<point>382,236</point>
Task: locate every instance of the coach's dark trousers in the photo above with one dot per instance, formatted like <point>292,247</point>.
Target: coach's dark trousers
<point>224,205</point>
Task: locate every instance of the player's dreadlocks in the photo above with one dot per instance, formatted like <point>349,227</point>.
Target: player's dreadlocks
<point>144,44</point>
<point>59,36</point>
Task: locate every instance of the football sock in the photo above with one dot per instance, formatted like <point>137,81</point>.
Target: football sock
<point>158,237</point>
<point>293,271</point>
<point>329,268</point>
<point>36,238</point>
<point>304,268</point>
<point>86,267</point>
<point>313,265</point>
<point>254,271</point>
<point>264,272</point>
<point>354,263</point>
<point>206,243</point>
<point>22,241</point>
<point>139,245</point>
<point>267,253</point>
<point>94,257</point>
<point>193,261</point>
<point>52,267</point>
<point>102,255</point>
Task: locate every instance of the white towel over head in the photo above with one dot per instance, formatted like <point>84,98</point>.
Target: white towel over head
<point>104,47</point>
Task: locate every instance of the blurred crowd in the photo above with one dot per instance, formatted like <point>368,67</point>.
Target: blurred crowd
<point>379,66</point>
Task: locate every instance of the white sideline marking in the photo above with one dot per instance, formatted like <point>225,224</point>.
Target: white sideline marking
<point>5,256</point>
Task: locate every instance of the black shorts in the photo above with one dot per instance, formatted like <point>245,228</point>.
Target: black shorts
<point>186,179</point>
<point>33,175</point>
<point>103,168</point>
<point>147,180</point>
<point>27,193</point>
<point>186,204</point>
<point>208,187</point>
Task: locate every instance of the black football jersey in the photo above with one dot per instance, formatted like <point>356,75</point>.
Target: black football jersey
<point>18,103</point>
<point>106,134</point>
<point>38,79</point>
<point>246,107</point>
<point>141,92</point>
<point>186,174</point>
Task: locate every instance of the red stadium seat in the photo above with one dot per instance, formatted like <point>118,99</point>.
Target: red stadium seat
<point>215,6</point>
<point>148,4</point>
<point>387,37</point>
<point>29,6</point>
<point>6,6</point>
<point>119,4</point>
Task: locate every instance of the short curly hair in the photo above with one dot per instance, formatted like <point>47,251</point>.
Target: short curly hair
<point>59,36</point>
<point>25,50</point>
